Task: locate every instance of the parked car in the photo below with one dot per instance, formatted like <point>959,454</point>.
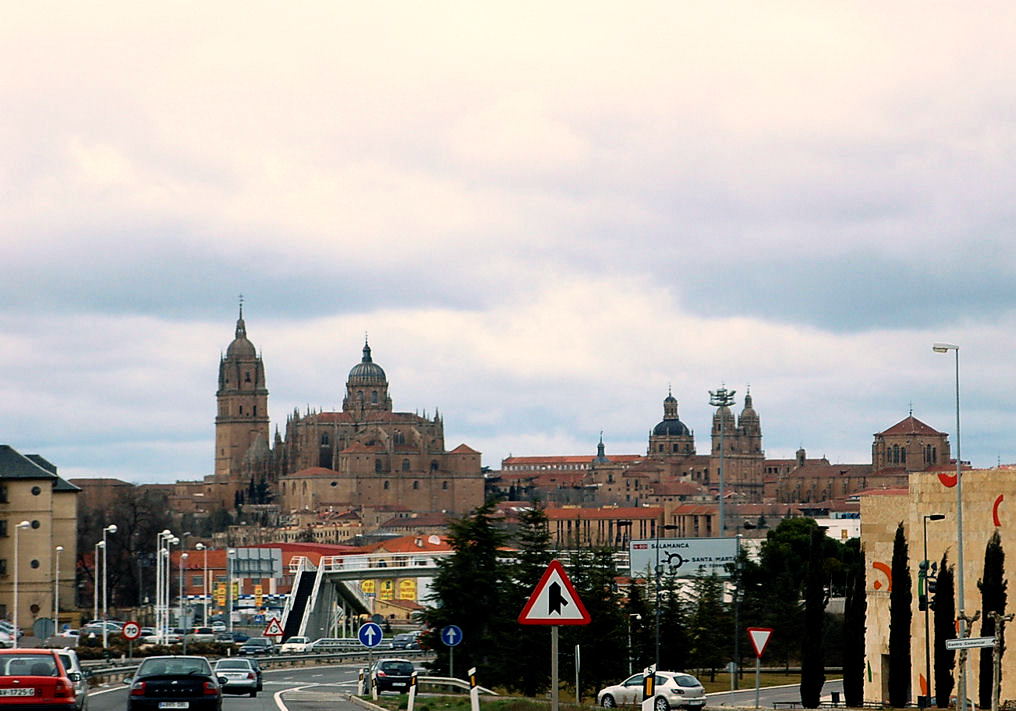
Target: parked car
<point>672,690</point>
<point>243,676</point>
<point>391,674</point>
<point>174,682</point>
<point>257,645</point>
<point>218,625</point>
<point>35,679</point>
<point>77,676</point>
<point>335,644</point>
<point>406,640</point>
<point>295,645</point>
<point>169,637</point>
<point>200,634</point>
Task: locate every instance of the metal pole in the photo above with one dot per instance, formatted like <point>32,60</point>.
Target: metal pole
<point>97,582</point>
<point>14,632</point>
<point>658,571</point>
<point>105,589</point>
<point>577,666</point>
<point>56,592</point>
<point>737,613</point>
<point>204,588</point>
<point>555,701</point>
<point>927,604</point>
<point>758,678</point>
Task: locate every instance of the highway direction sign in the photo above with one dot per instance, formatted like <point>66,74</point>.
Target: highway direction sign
<point>969,642</point>
<point>370,634</point>
<point>554,601</point>
<point>451,635</point>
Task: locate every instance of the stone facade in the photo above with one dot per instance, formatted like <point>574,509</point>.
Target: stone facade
<point>986,494</point>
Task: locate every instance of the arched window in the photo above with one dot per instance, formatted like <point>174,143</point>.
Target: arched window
<point>246,377</point>
<point>378,466</point>
<point>444,484</point>
<point>903,456</point>
<point>433,465</point>
<point>373,397</point>
<point>416,485</point>
<point>386,485</point>
<point>324,439</point>
<point>405,465</point>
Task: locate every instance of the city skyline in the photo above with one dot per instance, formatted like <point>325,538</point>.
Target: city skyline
<point>544,217</point>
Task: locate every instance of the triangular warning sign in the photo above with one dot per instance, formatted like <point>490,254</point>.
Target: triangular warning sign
<point>554,601</point>
<point>274,628</point>
<point>759,637</point>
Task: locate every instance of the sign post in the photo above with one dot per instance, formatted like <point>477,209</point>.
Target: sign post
<point>131,631</point>
<point>648,687</point>
<point>370,636</point>
<point>759,637</point>
<point>412,692</point>
<point>554,602</point>
<point>451,635</point>
<point>474,691</point>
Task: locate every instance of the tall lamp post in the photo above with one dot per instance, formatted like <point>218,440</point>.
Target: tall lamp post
<point>96,564</point>
<point>659,573</point>
<point>183,559</point>
<point>230,552</point>
<point>945,348</point>
<point>204,584</point>
<point>56,590</point>
<point>111,528</point>
<point>721,399</point>
<point>16,630</point>
<point>925,569</point>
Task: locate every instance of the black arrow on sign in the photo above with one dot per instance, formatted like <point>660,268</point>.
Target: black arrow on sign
<point>556,599</point>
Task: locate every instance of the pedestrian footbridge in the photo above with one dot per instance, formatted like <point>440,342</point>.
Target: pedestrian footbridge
<point>327,597</point>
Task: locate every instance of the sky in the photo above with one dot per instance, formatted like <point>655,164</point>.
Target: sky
<point>545,215</point>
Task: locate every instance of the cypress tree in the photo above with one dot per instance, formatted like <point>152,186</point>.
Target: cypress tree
<point>708,624</point>
<point>812,660</point>
<point>854,620</point>
<point>529,647</point>
<point>945,620</point>
<point>993,597</point>
<point>900,600</point>
<point>674,626</point>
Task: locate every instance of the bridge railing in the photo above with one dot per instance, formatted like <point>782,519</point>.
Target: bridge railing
<point>339,563</point>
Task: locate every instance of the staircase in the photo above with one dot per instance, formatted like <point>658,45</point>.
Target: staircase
<point>303,586</point>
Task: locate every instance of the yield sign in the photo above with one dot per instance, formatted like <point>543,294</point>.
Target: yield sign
<point>274,628</point>
<point>759,637</point>
<point>554,601</point>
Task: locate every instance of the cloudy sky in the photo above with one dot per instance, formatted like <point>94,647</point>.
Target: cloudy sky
<point>544,214</point>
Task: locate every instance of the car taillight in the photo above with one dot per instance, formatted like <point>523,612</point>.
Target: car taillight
<point>250,675</point>
<point>210,689</point>
<point>381,673</point>
<point>63,689</point>
<point>138,688</point>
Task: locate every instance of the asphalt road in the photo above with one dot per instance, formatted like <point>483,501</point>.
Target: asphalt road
<point>770,695</point>
<point>294,689</point>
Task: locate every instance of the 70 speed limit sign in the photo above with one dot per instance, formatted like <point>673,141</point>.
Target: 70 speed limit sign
<point>131,630</point>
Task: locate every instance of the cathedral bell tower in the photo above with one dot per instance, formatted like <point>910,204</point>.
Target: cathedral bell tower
<point>242,403</point>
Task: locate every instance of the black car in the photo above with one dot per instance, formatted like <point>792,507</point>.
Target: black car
<point>174,682</point>
<point>392,674</point>
<point>257,645</point>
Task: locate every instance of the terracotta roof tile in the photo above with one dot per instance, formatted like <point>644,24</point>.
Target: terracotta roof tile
<point>911,425</point>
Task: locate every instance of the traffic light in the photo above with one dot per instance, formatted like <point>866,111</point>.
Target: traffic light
<point>932,585</point>
<point>922,603</point>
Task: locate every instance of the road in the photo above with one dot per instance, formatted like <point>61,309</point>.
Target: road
<point>770,695</point>
<point>295,689</point>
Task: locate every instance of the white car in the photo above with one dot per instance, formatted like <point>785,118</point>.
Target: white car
<point>673,690</point>
<point>295,645</point>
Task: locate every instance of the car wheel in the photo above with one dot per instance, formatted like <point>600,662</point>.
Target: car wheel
<point>608,702</point>
<point>253,693</point>
<point>661,704</point>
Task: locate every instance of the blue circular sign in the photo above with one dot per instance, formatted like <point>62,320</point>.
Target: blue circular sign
<point>370,634</point>
<point>451,635</point>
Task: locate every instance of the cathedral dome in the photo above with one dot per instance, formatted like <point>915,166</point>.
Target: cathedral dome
<point>367,371</point>
<point>241,347</point>
<point>671,427</point>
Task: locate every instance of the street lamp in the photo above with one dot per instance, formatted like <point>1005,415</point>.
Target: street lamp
<point>166,580</point>
<point>56,590</point>
<point>631,616</point>
<point>14,632</point>
<point>97,580</point>
<point>924,571</point>
<point>204,584</point>
<point>721,399</point>
<point>230,552</point>
<point>659,572</point>
<point>945,348</point>
<point>183,559</point>
<point>111,528</point>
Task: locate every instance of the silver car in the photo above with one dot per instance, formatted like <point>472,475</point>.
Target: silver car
<point>673,690</point>
<point>69,659</point>
<point>241,676</point>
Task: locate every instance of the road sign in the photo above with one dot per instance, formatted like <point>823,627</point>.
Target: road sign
<point>554,601</point>
<point>683,557</point>
<point>370,634</point>
<point>259,596</point>
<point>759,637</point>
<point>451,635</point>
<point>131,630</point>
<point>969,642</point>
<point>273,628</point>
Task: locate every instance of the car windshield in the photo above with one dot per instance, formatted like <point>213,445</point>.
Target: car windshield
<point>297,640</point>
<point>175,666</point>
<point>400,668</point>
<point>232,664</point>
<point>262,641</point>
<point>28,665</point>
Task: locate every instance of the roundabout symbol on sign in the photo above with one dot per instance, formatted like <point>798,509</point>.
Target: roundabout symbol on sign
<point>131,630</point>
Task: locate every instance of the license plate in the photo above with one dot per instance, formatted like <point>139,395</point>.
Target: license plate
<point>398,684</point>
<point>174,704</point>
<point>27,691</point>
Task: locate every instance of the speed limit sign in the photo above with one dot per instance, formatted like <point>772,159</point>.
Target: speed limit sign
<point>131,630</point>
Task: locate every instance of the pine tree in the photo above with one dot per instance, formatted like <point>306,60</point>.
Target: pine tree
<point>854,620</point>
<point>674,642</point>
<point>945,617</point>
<point>708,624</point>
<point>993,598</point>
<point>530,646</point>
<point>812,661</point>
<point>900,600</point>
<point>640,630</point>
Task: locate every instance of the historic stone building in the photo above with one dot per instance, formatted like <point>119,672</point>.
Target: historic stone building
<point>367,454</point>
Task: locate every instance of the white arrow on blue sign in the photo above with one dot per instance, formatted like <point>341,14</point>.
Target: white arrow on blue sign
<point>370,634</point>
<point>451,635</point>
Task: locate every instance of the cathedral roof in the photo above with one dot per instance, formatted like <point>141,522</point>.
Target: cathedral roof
<point>912,426</point>
<point>463,449</point>
<point>241,347</point>
<point>367,371</point>
<point>672,427</point>
<point>313,472</point>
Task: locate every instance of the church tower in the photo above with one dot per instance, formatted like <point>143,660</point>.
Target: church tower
<point>242,398</point>
<point>366,387</point>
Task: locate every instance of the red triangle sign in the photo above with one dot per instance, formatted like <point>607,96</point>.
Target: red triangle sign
<point>554,601</point>
<point>274,628</point>
<point>759,637</point>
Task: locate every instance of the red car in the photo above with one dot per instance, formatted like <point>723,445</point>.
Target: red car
<point>34,680</point>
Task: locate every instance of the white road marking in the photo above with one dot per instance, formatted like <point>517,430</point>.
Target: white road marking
<point>278,695</point>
